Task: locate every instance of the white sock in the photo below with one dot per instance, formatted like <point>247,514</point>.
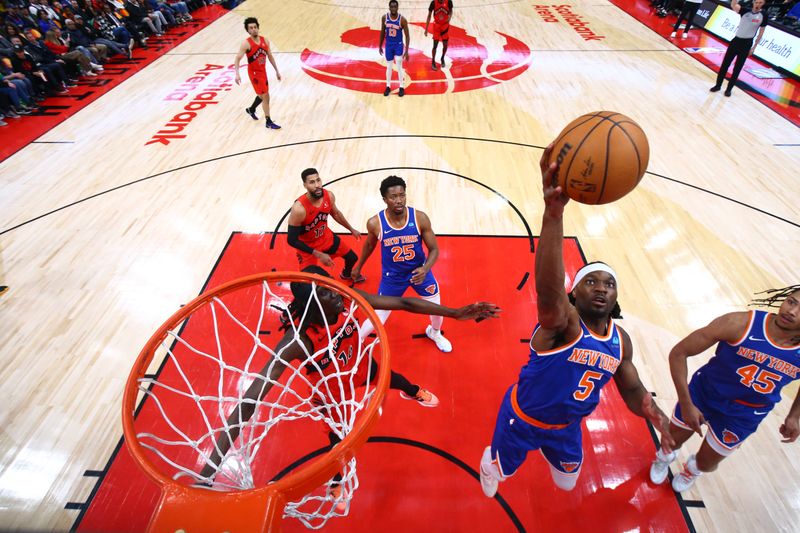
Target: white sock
<point>367,327</point>
<point>665,458</point>
<point>389,74</point>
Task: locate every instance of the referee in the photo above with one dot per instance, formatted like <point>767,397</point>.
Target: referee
<point>743,44</point>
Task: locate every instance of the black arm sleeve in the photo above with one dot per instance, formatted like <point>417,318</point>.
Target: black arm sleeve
<point>295,242</point>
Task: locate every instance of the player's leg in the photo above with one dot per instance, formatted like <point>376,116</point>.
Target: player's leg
<point>408,390</point>
<point>252,109</point>
<point>429,290</point>
<point>265,106</point>
<point>563,451</point>
<point>728,427</point>
<point>350,259</point>
<point>511,442</point>
<point>398,59</point>
<point>433,52</point>
<point>387,287</point>
<point>389,55</point>
<point>305,260</point>
<point>445,42</point>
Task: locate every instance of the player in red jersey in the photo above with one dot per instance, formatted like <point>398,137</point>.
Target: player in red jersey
<point>257,50</point>
<point>309,232</point>
<point>442,11</point>
<point>307,333</point>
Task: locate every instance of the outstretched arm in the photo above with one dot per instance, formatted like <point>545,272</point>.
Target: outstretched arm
<point>338,216</point>
<point>479,310</point>
<point>636,397</point>
<point>557,317</point>
<point>287,350</point>
<point>727,328</point>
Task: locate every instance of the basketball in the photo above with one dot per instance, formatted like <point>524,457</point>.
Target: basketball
<point>601,157</point>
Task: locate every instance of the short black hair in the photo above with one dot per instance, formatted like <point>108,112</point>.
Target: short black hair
<point>391,181</point>
<point>394,2</point>
<point>305,174</point>
<point>251,20</point>
<point>302,293</point>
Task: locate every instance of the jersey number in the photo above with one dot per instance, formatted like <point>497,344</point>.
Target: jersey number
<point>344,357</point>
<point>392,32</point>
<point>403,253</point>
<point>586,385</point>
<point>763,381</point>
<point>318,231</point>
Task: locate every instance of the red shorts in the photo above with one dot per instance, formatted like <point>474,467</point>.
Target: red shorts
<point>306,259</point>
<point>441,31</point>
<point>259,81</point>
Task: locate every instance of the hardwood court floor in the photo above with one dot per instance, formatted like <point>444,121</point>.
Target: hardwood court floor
<point>103,238</point>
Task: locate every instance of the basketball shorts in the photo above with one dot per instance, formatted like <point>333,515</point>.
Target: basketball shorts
<point>393,50</point>
<point>729,423</point>
<point>259,81</point>
<point>393,285</point>
<point>441,32</point>
<point>339,249</point>
<point>513,438</point>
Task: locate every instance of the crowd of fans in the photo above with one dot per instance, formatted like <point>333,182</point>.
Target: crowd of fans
<point>47,45</point>
<point>782,12</point>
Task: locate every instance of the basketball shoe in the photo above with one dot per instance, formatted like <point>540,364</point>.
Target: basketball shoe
<point>488,482</point>
<point>271,125</point>
<point>251,112</point>
<point>437,337</point>
<point>387,91</point>
<point>686,479</point>
<point>425,397</point>
<point>660,467</point>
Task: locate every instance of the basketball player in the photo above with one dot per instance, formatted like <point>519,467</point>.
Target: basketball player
<point>442,11</point>
<point>743,44</point>
<point>391,25</point>
<point>401,230</point>
<point>309,232</point>
<point>257,50</point>
<point>576,348</point>
<point>311,320</point>
<point>757,354</point>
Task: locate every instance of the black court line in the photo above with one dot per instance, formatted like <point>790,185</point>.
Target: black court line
<point>695,503</point>
<point>382,439</point>
<point>426,169</point>
<point>523,281</point>
<point>786,145</point>
<point>350,138</point>
<point>93,473</point>
<point>102,473</point>
<point>73,506</point>
<point>52,142</point>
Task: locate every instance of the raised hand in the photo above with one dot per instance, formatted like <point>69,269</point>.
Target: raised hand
<point>478,311</point>
<point>554,196</point>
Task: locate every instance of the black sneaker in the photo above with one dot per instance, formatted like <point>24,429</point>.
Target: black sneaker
<point>387,91</point>
<point>728,92</point>
<point>443,63</point>
<point>433,66</point>
<point>271,125</point>
<point>401,92</point>
<point>715,89</point>
<point>251,112</point>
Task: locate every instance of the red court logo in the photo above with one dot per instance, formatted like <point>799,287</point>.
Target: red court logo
<point>470,64</point>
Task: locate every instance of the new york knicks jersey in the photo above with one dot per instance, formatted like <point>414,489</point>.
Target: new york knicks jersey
<point>394,31</point>
<point>401,248</point>
<point>562,385</point>
<point>753,370</point>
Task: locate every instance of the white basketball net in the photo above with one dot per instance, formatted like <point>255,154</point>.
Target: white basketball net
<point>191,408</point>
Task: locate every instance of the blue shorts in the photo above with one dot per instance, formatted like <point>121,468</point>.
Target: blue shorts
<point>392,50</point>
<point>396,286</point>
<point>514,438</point>
<point>729,423</point>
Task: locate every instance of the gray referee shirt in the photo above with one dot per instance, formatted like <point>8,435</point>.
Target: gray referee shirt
<point>750,23</point>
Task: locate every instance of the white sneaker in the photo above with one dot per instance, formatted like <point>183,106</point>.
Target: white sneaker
<point>660,467</point>
<point>685,35</point>
<point>441,343</point>
<point>686,479</point>
<point>672,35</point>
<point>425,398</point>
<point>488,482</point>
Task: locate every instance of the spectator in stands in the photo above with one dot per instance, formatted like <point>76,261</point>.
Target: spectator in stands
<point>139,16</point>
<point>24,63</point>
<point>20,19</point>
<point>122,29</point>
<point>80,35</point>
<point>688,11</point>
<point>85,64</point>
<point>43,60</point>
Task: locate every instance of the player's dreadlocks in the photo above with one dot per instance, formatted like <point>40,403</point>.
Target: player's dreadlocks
<point>775,296</point>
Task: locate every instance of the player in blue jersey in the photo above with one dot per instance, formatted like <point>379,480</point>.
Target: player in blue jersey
<point>401,232</point>
<point>757,354</point>
<point>576,348</point>
<point>393,27</point>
